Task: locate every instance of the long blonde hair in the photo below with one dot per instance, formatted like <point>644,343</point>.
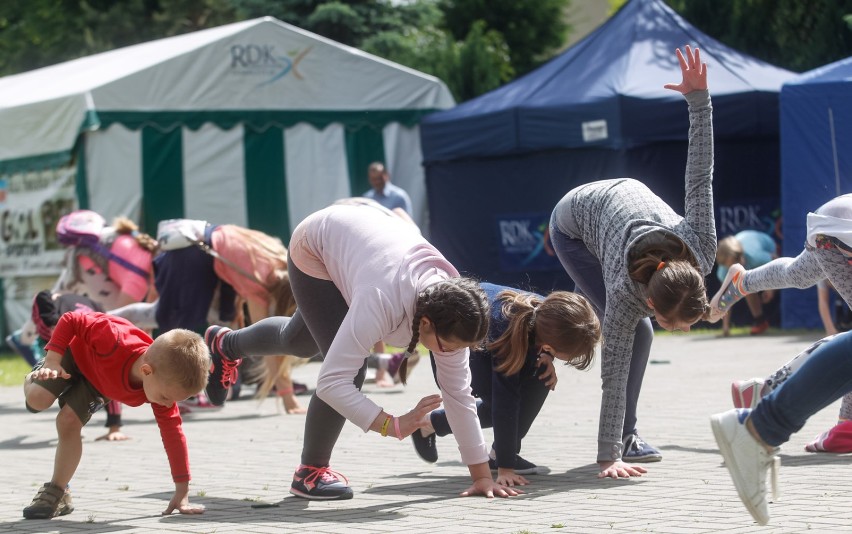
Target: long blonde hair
<point>566,321</point>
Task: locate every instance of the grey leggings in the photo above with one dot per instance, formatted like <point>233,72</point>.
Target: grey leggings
<point>321,309</point>
<point>585,270</point>
<point>801,272</point>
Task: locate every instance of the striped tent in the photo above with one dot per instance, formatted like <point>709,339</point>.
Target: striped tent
<point>256,123</point>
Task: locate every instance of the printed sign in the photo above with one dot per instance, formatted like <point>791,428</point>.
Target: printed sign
<point>32,204</point>
<point>736,215</point>
<point>525,243</point>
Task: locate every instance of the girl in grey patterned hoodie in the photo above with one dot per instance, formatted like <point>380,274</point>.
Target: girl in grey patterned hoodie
<point>634,257</point>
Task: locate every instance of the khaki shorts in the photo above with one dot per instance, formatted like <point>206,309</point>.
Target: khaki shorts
<point>76,392</point>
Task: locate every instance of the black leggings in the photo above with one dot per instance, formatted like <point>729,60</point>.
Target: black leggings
<point>321,309</point>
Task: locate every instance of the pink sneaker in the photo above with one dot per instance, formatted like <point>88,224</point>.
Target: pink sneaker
<point>197,404</point>
<point>747,393</point>
<point>838,439</point>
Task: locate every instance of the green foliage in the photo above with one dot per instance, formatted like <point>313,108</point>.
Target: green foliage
<point>794,34</point>
<point>470,67</point>
<point>13,369</point>
<point>345,21</point>
<point>37,33</point>
<point>533,31</point>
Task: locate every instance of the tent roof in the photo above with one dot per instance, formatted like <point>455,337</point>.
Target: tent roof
<point>615,74</point>
<point>828,79</point>
<point>257,65</point>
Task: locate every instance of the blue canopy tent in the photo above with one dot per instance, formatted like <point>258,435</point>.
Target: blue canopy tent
<point>496,165</point>
<point>816,165</point>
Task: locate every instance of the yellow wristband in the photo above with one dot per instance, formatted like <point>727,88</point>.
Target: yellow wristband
<point>385,427</point>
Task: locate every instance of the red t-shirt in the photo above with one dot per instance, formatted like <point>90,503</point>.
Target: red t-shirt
<point>104,348</point>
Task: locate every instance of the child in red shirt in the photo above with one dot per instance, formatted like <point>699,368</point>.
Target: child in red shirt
<point>93,358</point>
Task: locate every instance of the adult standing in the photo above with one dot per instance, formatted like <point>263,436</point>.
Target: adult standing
<point>384,192</point>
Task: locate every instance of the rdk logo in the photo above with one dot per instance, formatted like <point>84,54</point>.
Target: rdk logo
<point>262,60</point>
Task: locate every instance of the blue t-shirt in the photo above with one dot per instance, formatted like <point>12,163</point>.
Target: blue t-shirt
<point>758,249</point>
<point>391,197</point>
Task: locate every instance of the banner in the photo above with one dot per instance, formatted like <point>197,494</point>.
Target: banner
<point>30,206</point>
<point>761,214</point>
<point>525,243</point>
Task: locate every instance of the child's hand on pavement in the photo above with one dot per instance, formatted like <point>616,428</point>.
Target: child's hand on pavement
<point>508,477</point>
<point>620,469</point>
<point>490,489</point>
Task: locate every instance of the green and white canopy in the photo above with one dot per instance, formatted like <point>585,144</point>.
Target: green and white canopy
<point>256,123</point>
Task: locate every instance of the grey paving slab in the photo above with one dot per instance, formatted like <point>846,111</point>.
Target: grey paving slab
<point>246,453</point>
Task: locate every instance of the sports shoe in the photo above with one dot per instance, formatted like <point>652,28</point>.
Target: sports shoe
<point>50,501</point>
<point>425,446</point>
<point>837,439</point>
<point>320,483</point>
<point>223,370</point>
<point>197,404</point>
<point>759,328</point>
<point>747,393</point>
<point>636,450</point>
<point>728,295</point>
<point>747,461</point>
<point>522,466</point>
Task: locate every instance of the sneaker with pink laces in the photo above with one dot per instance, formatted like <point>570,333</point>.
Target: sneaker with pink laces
<point>320,483</point>
<point>197,404</point>
<point>223,371</point>
<point>838,439</point>
<point>747,393</point>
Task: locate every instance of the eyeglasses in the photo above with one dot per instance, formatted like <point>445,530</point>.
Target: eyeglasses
<point>440,346</point>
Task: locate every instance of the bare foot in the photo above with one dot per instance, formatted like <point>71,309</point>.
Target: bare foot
<point>383,379</point>
<point>291,404</point>
<point>113,435</point>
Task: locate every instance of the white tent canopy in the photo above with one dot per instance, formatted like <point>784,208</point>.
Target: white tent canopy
<point>256,123</point>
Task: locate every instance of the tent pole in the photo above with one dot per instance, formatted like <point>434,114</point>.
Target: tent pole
<point>834,153</point>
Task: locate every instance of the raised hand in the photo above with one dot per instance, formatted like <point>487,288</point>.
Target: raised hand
<point>694,72</point>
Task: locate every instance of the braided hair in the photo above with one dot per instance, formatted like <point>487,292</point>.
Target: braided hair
<point>457,307</point>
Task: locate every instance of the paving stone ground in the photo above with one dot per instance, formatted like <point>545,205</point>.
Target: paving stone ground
<point>245,455</point>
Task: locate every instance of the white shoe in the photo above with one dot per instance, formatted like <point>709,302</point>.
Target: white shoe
<point>747,461</point>
<point>747,393</point>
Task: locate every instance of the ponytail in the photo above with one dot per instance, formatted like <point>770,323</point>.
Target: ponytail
<point>124,226</point>
<point>674,281</point>
<point>512,346</point>
<point>566,321</point>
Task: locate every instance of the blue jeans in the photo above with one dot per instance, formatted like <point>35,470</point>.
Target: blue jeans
<point>822,379</point>
<point>585,270</point>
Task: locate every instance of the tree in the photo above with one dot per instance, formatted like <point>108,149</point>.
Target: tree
<point>345,21</point>
<point>470,67</point>
<point>798,35</point>
<point>36,33</point>
<point>533,31</point>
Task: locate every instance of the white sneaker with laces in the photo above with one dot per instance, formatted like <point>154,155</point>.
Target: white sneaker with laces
<point>747,461</point>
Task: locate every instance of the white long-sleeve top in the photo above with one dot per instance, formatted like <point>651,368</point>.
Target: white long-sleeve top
<point>380,263</point>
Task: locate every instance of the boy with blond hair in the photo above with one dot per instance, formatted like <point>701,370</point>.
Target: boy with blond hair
<point>93,358</point>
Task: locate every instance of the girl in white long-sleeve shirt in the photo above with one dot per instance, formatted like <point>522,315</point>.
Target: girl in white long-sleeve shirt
<point>360,276</point>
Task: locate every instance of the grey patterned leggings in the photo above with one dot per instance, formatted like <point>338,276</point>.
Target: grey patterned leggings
<point>801,272</point>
